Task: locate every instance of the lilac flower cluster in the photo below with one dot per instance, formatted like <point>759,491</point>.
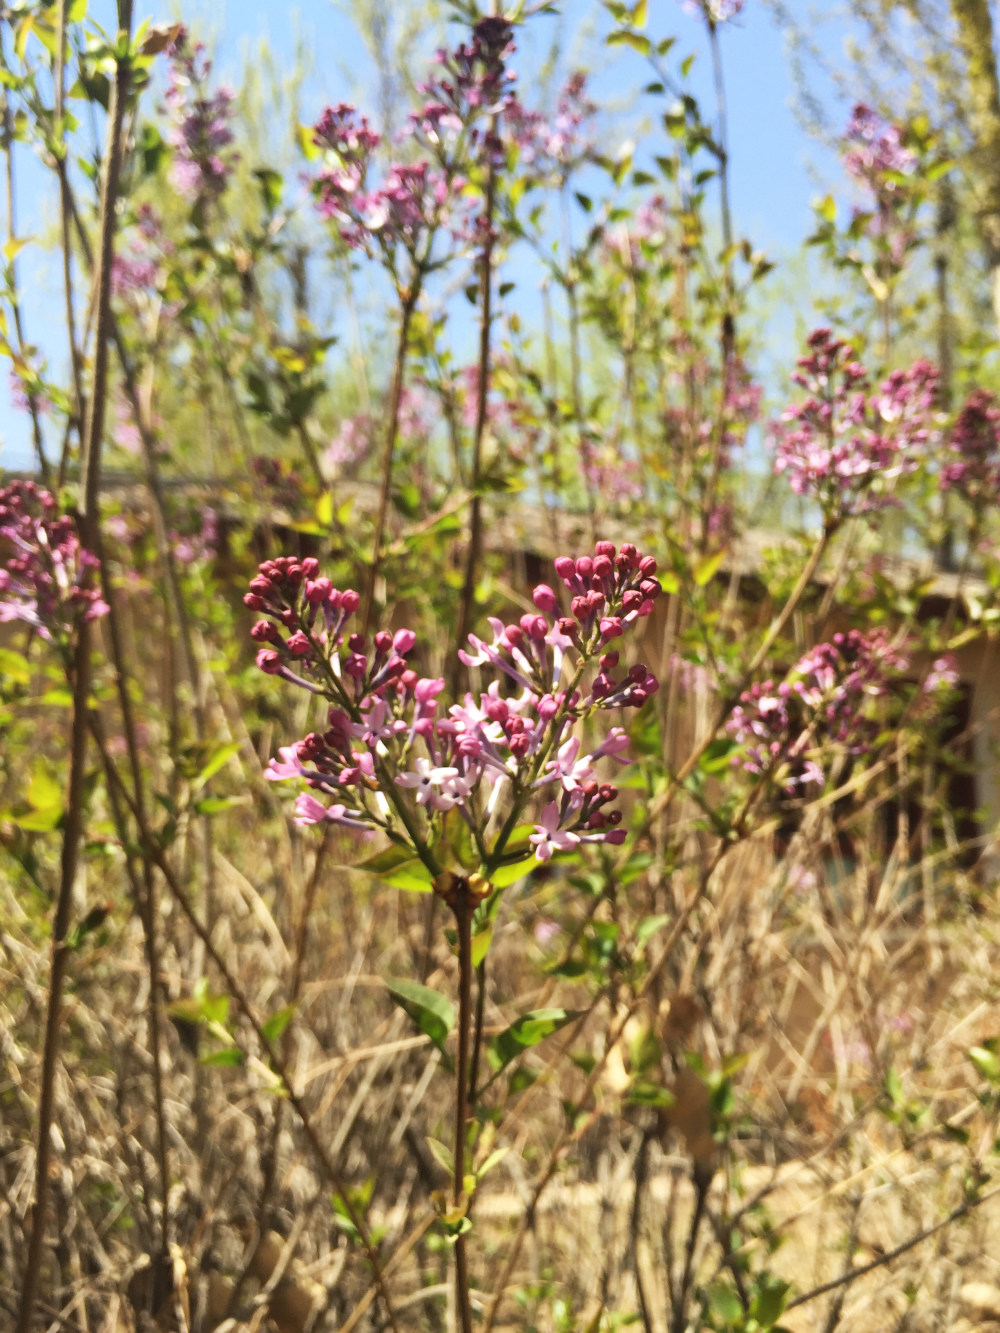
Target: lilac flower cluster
<point>394,759</point>
<point>876,151</point>
<point>138,261</point>
<point>876,156</point>
<point>845,444</point>
<point>474,84</point>
<point>974,443</point>
<point>555,146</point>
<point>201,131</point>
<point>414,198</point>
<point>44,571</point>
<point>280,480</point>
<point>822,705</point>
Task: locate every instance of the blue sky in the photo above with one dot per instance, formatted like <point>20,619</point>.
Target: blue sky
<point>776,168</point>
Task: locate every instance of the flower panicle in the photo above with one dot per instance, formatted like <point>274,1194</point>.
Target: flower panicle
<point>393,753</point>
<point>784,729</point>
<point>845,444</point>
<point>46,576</point>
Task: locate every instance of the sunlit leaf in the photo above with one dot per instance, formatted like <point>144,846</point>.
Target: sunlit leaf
<point>433,1014</point>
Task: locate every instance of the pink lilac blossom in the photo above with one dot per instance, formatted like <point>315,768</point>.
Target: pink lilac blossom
<point>350,445</point>
<point>943,675</point>
<point>612,477</point>
<point>786,730</point>
<point>45,574</point>
<point>974,448</point>
<point>844,445</point>
<point>200,134</point>
<point>876,150</point>
<point>389,739</point>
<point>556,146</point>
<point>716,11</point>
<point>193,547</point>
<point>25,387</point>
<point>876,156</point>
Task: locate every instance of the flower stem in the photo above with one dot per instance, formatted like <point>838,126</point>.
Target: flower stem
<point>463,921</point>
<point>73,828</point>
<point>392,430</point>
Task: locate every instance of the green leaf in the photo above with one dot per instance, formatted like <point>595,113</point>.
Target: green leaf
<point>724,1303</point>
<point>525,1032</point>
<point>986,1063</point>
<point>707,568</point>
<point>214,805</point>
<point>718,755</point>
<point>44,791</point>
<point>388,859</point>
<point>441,1154</point>
<point>769,1302</point>
<point>623,37</point>
<point>669,581</point>
<point>40,821</point>
<point>504,876</point>
<point>433,1014</point>
<point>497,1155</point>
<point>308,147</point>
<point>481,944</point>
<point>216,760</point>
<point>227,1058</point>
<point>276,1024</point>
<point>324,509</point>
<point>413,876</point>
<point>648,927</point>
<point>894,1086</point>
<point>645,1093</point>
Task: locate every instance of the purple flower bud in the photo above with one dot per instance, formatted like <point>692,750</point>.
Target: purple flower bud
<point>544,598</point>
<point>317,591</point>
<point>299,645</point>
<point>565,568</point>
<point>349,601</point>
<point>611,628</point>
<point>403,640</point>
<point>605,549</point>
<point>269,661</point>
